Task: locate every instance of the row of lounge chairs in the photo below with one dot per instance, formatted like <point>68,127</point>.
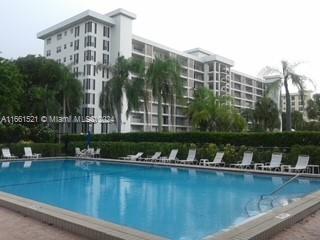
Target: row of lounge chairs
<point>273,165</point>
<point>6,154</point>
<point>88,152</point>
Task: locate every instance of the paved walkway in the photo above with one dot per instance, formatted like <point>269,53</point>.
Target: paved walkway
<point>14,226</point>
<point>308,228</point>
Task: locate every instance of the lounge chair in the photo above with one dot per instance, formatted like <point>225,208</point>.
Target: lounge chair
<point>6,154</point>
<point>90,152</point>
<point>97,152</point>
<point>28,153</point>
<point>172,157</point>
<point>275,162</point>
<point>153,158</point>
<point>301,165</point>
<point>80,153</point>
<point>133,157</point>
<point>217,161</point>
<point>191,158</point>
<point>246,161</point>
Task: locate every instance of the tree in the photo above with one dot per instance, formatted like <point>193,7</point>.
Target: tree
<point>208,112</point>
<point>163,78</point>
<point>313,107</point>
<point>266,114</point>
<point>121,85</point>
<point>11,88</point>
<point>288,76</point>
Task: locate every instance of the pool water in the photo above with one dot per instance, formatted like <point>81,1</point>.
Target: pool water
<point>169,202</point>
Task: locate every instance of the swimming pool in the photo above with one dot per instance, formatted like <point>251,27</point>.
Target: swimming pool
<point>169,202</point>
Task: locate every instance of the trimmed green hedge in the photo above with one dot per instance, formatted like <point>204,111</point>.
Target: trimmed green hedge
<point>284,139</point>
<point>46,149</point>
<point>232,153</point>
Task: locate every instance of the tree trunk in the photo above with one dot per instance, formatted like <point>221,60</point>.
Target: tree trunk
<point>159,113</point>
<point>119,121</point>
<point>288,105</point>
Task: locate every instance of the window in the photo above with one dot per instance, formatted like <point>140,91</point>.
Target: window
<point>248,81</point>
<point>76,71</point>
<point>59,60</point>
<point>87,69</point>
<point>70,57</point>
<point>71,44</point>
<point>65,46</point>
<point>88,27</point>
<point>49,41</point>
<point>48,53</point>
<point>76,58</point>
<point>65,33</point>
<point>106,31</point>
<point>58,49</point>
<point>59,36</point>
<point>105,59</point>
<point>95,28</point>
<point>64,59</point>
<point>105,73</point>
<point>77,31</point>
<point>106,45</point>
<point>76,45</point>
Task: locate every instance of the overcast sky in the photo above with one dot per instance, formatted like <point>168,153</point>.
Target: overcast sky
<point>250,32</point>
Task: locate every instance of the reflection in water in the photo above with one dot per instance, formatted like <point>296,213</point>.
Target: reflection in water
<point>177,204</point>
<point>5,164</point>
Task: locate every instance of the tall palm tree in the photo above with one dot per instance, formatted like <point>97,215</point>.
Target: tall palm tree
<point>288,76</point>
<point>163,78</point>
<point>122,85</point>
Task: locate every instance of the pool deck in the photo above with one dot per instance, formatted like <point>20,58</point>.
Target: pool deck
<point>308,229</point>
<point>15,226</point>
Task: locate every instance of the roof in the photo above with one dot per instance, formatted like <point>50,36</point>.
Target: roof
<point>88,14</point>
<point>121,11</point>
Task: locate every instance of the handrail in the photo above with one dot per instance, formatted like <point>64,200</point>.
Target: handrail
<point>270,194</point>
<point>282,186</point>
<point>277,190</point>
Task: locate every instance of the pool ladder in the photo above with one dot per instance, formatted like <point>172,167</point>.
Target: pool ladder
<point>269,198</point>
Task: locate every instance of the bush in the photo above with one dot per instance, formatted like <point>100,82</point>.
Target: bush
<point>46,149</point>
<point>284,139</point>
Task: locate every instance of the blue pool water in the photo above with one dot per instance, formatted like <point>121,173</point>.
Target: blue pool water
<point>172,203</point>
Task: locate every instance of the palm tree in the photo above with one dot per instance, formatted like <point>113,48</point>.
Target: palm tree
<point>266,114</point>
<point>120,86</point>
<point>212,113</point>
<point>163,78</point>
<point>288,75</point>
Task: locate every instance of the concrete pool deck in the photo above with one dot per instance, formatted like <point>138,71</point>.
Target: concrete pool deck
<point>263,227</point>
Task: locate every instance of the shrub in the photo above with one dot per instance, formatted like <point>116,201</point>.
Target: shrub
<point>46,149</point>
<point>284,139</point>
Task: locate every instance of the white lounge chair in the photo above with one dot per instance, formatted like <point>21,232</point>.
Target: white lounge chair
<point>97,152</point>
<point>153,158</point>
<point>246,161</point>
<point>89,152</point>
<point>80,153</point>
<point>172,157</point>
<point>217,161</point>
<point>132,157</point>
<point>191,158</point>
<point>28,153</point>
<point>275,162</point>
<point>6,154</point>
<point>301,165</point>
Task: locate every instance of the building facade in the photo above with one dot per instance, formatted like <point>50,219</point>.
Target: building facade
<point>89,39</point>
<point>296,102</point>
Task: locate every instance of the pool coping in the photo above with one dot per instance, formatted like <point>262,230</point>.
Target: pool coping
<point>262,227</point>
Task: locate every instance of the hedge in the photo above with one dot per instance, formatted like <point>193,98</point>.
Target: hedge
<point>232,153</point>
<point>284,139</point>
<point>46,149</point>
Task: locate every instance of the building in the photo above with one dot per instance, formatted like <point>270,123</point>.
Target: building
<point>90,38</point>
<point>296,102</point>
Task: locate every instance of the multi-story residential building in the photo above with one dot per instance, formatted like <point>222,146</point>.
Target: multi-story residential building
<point>296,102</point>
<point>89,38</point>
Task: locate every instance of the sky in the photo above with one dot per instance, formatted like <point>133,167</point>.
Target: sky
<point>253,33</point>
